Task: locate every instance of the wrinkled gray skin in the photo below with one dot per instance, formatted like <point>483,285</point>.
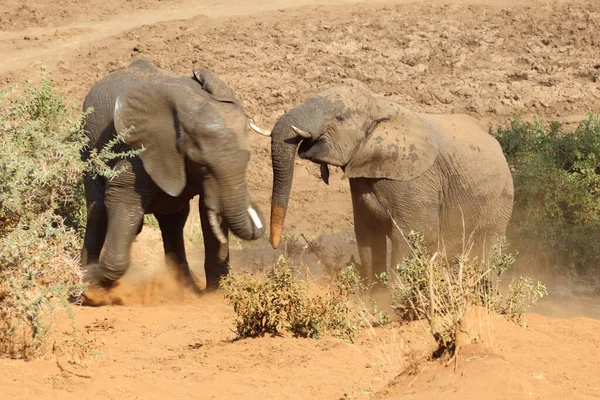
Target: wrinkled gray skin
<point>195,142</point>
<point>443,175</point>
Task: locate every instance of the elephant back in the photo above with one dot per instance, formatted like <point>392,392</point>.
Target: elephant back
<point>463,137</point>
<point>101,99</point>
<point>478,168</point>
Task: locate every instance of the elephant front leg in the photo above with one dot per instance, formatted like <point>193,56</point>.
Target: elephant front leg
<point>102,276</point>
<point>171,228</point>
<point>122,229</point>
<point>372,248</point>
<point>124,217</point>
<point>216,254</point>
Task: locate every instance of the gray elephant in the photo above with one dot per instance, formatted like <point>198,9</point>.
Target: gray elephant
<point>442,175</point>
<point>193,140</point>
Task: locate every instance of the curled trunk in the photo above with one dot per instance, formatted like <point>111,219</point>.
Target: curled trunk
<point>242,215</point>
<point>235,206</point>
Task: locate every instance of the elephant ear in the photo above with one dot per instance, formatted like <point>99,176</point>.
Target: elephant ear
<point>400,148</point>
<point>150,110</point>
<point>214,86</point>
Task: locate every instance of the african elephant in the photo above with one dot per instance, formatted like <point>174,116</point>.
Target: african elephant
<point>191,133</point>
<point>442,175</point>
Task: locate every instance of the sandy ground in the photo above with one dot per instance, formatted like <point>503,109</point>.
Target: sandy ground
<point>492,60</point>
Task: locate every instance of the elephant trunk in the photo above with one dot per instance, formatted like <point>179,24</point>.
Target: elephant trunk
<point>308,117</point>
<point>227,195</point>
<point>284,142</point>
<point>242,215</point>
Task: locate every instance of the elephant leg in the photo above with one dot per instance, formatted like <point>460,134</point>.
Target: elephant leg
<point>372,247</point>
<point>171,228</point>
<point>425,220</point>
<point>123,223</point>
<point>400,249</point>
<point>216,254</point>
<point>96,224</point>
<point>125,213</point>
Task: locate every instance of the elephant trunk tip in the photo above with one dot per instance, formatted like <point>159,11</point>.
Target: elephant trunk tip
<point>277,217</point>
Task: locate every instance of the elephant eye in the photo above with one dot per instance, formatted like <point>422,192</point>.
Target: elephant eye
<point>340,117</point>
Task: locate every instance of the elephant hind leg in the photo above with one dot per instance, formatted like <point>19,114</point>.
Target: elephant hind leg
<point>498,217</point>
<point>96,225</point>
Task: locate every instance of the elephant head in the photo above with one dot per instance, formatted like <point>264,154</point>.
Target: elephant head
<point>349,128</point>
<point>192,130</point>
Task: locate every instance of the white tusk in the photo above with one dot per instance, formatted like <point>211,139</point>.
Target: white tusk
<point>261,131</point>
<point>216,228</point>
<point>255,219</point>
<point>301,133</point>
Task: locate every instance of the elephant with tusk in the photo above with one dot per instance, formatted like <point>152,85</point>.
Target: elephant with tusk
<point>192,133</point>
<point>442,175</point>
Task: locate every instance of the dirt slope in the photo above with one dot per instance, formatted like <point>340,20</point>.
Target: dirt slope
<point>479,57</point>
<point>185,350</point>
<point>484,60</point>
<point>543,361</point>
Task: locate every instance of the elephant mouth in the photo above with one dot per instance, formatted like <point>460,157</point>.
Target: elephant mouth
<point>306,148</point>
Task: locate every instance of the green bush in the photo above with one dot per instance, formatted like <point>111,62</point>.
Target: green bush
<point>433,288</point>
<point>279,302</point>
<point>557,191</point>
<point>42,212</point>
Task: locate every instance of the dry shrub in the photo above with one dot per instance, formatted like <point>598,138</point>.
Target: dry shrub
<point>41,213</point>
<point>279,302</point>
<point>442,292</point>
<point>38,272</point>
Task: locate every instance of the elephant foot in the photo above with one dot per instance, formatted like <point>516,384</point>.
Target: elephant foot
<point>213,284</point>
<point>99,292</point>
<point>186,278</point>
<point>97,296</point>
<point>189,283</point>
<point>377,286</point>
<point>215,271</point>
<point>211,287</point>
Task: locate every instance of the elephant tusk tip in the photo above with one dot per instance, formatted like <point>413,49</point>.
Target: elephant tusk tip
<point>255,218</point>
<point>259,130</point>
<point>215,227</point>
